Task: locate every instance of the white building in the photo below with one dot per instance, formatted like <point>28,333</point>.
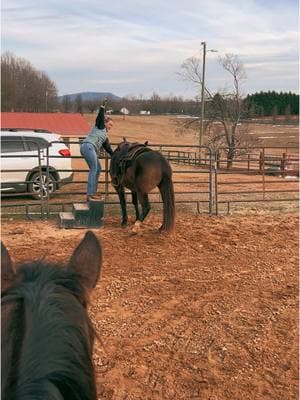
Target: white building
<point>124,111</point>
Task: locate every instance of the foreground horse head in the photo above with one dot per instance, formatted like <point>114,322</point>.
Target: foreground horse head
<point>141,169</point>
<point>47,336</point>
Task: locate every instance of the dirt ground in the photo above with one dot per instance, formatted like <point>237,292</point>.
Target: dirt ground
<point>209,313</point>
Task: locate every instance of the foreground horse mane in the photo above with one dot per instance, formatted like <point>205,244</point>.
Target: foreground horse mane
<point>47,337</point>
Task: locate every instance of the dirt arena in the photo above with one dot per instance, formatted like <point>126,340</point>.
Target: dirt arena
<point>209,313</point>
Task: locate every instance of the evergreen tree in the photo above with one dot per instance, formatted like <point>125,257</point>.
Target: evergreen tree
<point>272,101</point>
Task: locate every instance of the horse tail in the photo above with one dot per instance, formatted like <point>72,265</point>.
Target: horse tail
<point>167,193</point>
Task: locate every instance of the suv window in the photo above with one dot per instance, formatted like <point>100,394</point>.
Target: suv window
<point>33,143</point>
<point>11,144</point>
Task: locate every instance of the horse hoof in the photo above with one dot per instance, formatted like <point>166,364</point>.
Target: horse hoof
<point>123,224</point>
<point>136,227</point>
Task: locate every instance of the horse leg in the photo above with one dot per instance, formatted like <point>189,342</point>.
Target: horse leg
<point>136,205</point>
<point>144,200</point>
<point>122,198</point>
<point>146,207</point>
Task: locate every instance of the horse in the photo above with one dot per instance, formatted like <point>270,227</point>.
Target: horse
<point>47,336</point>
<point>140,169</point>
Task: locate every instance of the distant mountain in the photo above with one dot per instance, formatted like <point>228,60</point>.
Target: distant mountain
<point>91,96</point>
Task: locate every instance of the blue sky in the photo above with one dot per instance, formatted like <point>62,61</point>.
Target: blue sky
<point>134,47</point>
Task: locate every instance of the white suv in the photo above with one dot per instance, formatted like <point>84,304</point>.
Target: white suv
<point>20,171</point>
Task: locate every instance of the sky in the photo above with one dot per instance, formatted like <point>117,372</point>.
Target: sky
<point>136,48</point>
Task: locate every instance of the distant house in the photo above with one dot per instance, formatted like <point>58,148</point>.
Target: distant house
<point>71,127</point>
<point>144,112</point>
<point>124,111</point>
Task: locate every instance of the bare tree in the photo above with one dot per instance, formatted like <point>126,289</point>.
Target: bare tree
<point>225,107</point>
<point>66,104</point>
<point>91,105</point>
<point>24,88</point>
<point>79,104</point>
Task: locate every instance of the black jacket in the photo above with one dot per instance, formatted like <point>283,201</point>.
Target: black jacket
<point>100,124</point>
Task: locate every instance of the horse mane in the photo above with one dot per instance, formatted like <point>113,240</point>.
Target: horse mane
<point>49,335</point>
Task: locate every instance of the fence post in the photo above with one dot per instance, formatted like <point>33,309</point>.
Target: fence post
<point>248,161</point>
<point>47,182</point>
<point>263,173</point>
<point>261,160</point>
<point>216,166</point>
<point>218,158</point>
<point>106,177</point>
<point>283,164</point>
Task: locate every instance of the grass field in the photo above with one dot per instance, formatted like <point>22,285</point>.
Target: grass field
<point>164,129</point>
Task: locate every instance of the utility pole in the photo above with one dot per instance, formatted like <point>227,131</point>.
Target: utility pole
<point>201,133</point>
<point>202,95</point>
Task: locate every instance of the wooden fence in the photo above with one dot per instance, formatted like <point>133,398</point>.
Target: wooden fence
<point>260,159</point>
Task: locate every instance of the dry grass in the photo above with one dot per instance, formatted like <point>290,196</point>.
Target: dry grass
<point>155,129</point>
<point>165,129</point>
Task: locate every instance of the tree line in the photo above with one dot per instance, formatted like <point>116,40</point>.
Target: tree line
<point>135,104</point>
<point>272,103</point>
<point>255,105</point>
<point>24,88</point>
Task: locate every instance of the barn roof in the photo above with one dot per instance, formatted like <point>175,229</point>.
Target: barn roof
<point>65,124</point>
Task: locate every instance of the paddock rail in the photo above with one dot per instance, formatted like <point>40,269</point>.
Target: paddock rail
<point>201,176</point>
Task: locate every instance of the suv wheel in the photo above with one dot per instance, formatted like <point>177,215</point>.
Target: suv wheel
<point>35,187</point>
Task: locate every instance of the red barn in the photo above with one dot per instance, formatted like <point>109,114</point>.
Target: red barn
<point>69,126</point>
<point>64,124</point>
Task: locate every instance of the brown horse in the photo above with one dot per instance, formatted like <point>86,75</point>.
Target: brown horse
<point>47,336</point>
<point>140,169</point>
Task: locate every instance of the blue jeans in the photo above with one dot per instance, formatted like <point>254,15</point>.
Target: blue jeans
<point>88,151</point>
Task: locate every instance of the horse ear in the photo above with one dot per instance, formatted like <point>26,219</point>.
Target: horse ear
<point>124,139</point>
<point>146,143</point>
<point>7,270</point>
<point>87,260</point>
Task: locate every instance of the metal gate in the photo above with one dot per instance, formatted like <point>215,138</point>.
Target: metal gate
<point>201,178</point>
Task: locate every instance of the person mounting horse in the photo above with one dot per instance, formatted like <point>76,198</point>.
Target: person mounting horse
<point>140,169</point>
<point>90,149</point>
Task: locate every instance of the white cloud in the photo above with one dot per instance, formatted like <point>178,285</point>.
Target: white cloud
<point>133,47</point>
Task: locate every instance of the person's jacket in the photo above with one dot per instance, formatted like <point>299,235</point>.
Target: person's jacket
<point>98,134</point>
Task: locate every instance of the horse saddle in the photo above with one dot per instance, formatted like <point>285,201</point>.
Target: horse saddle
<point>123,159</point>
